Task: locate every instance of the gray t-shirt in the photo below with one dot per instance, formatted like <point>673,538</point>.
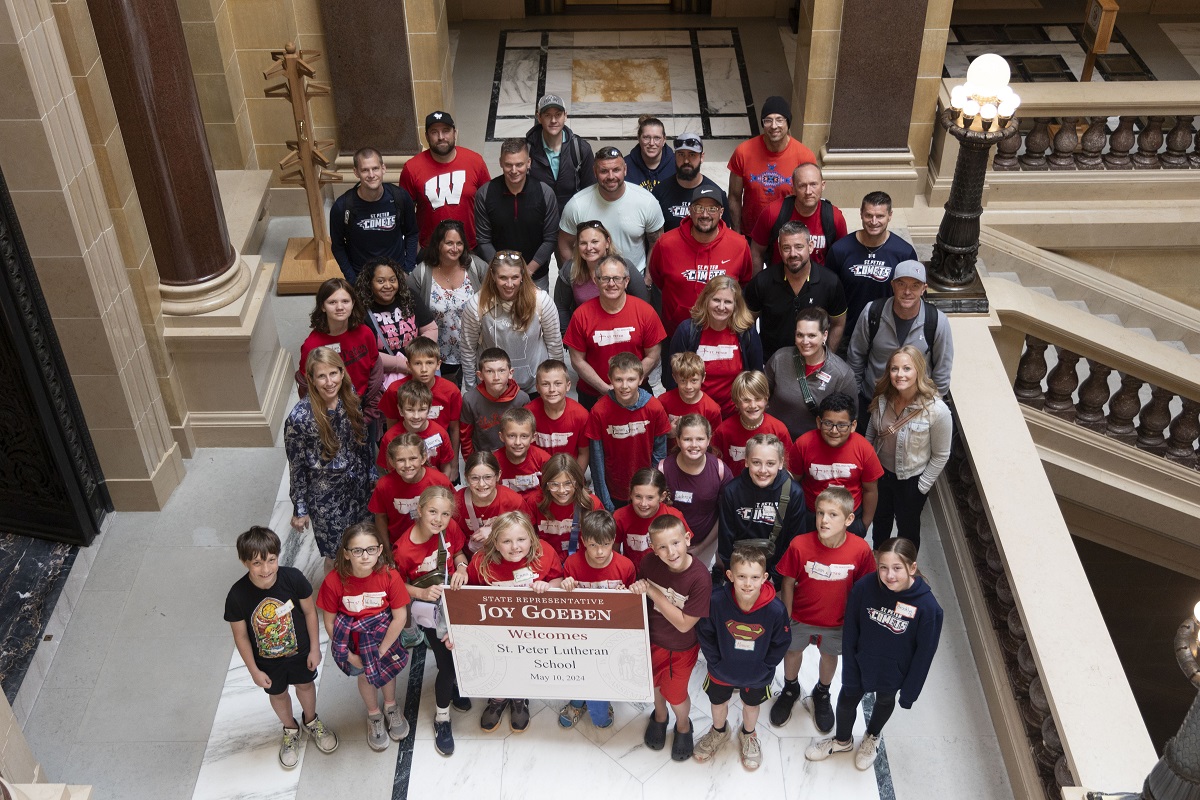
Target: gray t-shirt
<point>628,219</point>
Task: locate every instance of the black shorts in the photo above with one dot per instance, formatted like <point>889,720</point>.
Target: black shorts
<point>287,672</point>
<point>719,693</point>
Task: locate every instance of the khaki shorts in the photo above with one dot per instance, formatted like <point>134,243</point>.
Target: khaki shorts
<point>827,640</point>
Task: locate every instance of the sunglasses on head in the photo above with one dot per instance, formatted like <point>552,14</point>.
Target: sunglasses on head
<point>608,152</point>
<point>509,255</point>
<point>688,142</point>
<point>591,223</point>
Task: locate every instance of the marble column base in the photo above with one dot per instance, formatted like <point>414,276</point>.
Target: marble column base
<point>850,174</point>
<point>234,373</point>
<point>202,298</point>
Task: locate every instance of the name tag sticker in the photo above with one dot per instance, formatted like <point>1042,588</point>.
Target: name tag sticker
<point>285,609</point>
<point>638,543</point>
<point>742,644</point>
<point>905,610</point>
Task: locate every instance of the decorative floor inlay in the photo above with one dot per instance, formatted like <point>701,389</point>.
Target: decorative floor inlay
<point>1041,53</point>
<point>690,78</point>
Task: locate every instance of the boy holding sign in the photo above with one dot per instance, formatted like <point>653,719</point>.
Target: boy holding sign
<point>678,587</point>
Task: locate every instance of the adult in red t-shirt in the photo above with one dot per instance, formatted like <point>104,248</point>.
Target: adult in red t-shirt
<point>442,180</point>
<point>702,247</point>
<point>760,169</point>
<point>807,188</point>
<point>609,324</point>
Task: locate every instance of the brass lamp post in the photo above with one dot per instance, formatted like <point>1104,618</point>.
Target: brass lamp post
<point>980,115</point>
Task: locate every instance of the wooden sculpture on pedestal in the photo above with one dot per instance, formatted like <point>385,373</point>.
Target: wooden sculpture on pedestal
<point>307,262</point>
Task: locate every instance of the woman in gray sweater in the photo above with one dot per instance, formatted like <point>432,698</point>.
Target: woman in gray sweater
<point>823,373</point>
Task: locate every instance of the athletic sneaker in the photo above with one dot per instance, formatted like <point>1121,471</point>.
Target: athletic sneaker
<point>518,716</point>
<point>569,714</point>
<point>443,739</point>
<point>681,745</point>
<point>377,736</point>
<point>821,708</point>
<point>751,749</point>
<point>458,702</point>
<point>781,712</point>
<point>322,735</point>
<point>289,748</point>
<point>819,751</point>
<point>710,743</point>
<point>411,637</point>
<point>868,751</point>
<point>492,714</point>
<point>656,734</point>
<point>397,725</point>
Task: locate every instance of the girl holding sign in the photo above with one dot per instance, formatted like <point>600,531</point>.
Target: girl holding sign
<point>557,510</point>
<point>429,556</point>
<point>513,557</point>
<point>482,499</point>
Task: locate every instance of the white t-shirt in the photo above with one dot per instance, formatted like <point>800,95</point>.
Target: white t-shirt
<point>628,218</point>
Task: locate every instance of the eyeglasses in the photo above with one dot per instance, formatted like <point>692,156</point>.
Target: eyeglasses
<point>359,552</point>
<point>608,152</point>
<point>706,211</point>
<point>557,486</point>
<point>652,139</point>
<point>592,223</point>
<point>481,478</point>
<point>840,427</point>
<point>690,141</point>
<point>611,278</point>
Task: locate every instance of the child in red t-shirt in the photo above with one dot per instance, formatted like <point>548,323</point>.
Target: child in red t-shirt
<point>520,459</point>
<point>414,401</point>
<point>429,556</point>
<point>365,602</point>
<point>818,571</point>
<point>679,588</point>
<point>647,502</point>
<point>750,394</point>
<point>513,557</point>
<point>556,510</point>
<point>595,566</point>
<point>687,370</point>
<point>627,431</point>
<point>424,361</point>
<point>835,455</point>
<point>560,420</point>
<point>482,499</point>
<point>337,322</point>
<point>394,499</point>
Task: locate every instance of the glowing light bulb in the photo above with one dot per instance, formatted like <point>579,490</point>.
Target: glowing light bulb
<point>958,96</point>
<point>989,73</point>
<point>970,108</point>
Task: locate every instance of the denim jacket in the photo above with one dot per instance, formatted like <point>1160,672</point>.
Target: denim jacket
<point>922,444</point>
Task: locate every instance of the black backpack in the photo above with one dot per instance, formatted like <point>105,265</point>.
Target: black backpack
<point>876,314</point>
<point>828,223</point>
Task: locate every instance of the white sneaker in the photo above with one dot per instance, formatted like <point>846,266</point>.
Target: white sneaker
<point>289,748</point>
<point>397,725</point>
<point>868,751</point>
<point>823,749</point>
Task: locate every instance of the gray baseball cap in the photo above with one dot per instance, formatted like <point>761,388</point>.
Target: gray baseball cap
<point>550,101</point>
<point>910,269</point>
<point>689,141</point>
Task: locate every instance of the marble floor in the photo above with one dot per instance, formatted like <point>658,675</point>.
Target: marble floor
<point>1041,53</point>
<point>694,79</point>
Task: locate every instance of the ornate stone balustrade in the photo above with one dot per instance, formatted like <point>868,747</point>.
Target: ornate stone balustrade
<point>1155,141</point>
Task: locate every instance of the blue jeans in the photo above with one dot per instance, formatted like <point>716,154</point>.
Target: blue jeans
<point>598,710</point>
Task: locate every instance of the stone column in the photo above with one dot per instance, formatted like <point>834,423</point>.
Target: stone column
<point>154,94</point>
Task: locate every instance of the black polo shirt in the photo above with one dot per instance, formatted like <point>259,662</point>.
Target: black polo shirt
<point>771,297</point>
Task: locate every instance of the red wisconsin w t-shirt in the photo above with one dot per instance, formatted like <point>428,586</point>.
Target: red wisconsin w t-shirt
<point>562,435</point>
<point>397,498</point>
<point>444,191</point>
<point>627,436</point>
<point>818,465</point>
<point>600,335</point>
<point>633,532</point>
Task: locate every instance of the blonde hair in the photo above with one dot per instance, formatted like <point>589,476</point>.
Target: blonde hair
<point>752,383</point>
<point>490,554</point>
<point>742,318</point>
<point>346,394</point>
<point>435,493</point>
<point>927,392</point>
<point>685,365</point>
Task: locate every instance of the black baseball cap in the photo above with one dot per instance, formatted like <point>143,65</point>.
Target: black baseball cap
<point>439,118</point>
<point>713,193</point>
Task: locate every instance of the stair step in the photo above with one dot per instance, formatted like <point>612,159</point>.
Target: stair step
<point>1113,318</point>
<point>1006,276</point>
<point>1178,345</point>
<point>1046,290</point>
<point>1079,304</point>
<point>1149,334</point>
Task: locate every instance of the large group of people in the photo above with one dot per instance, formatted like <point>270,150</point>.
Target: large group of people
<point>721,398</point>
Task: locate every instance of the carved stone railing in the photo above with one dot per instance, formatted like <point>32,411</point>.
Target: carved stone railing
<point>1078,139</point>
<point>1093,404</point>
